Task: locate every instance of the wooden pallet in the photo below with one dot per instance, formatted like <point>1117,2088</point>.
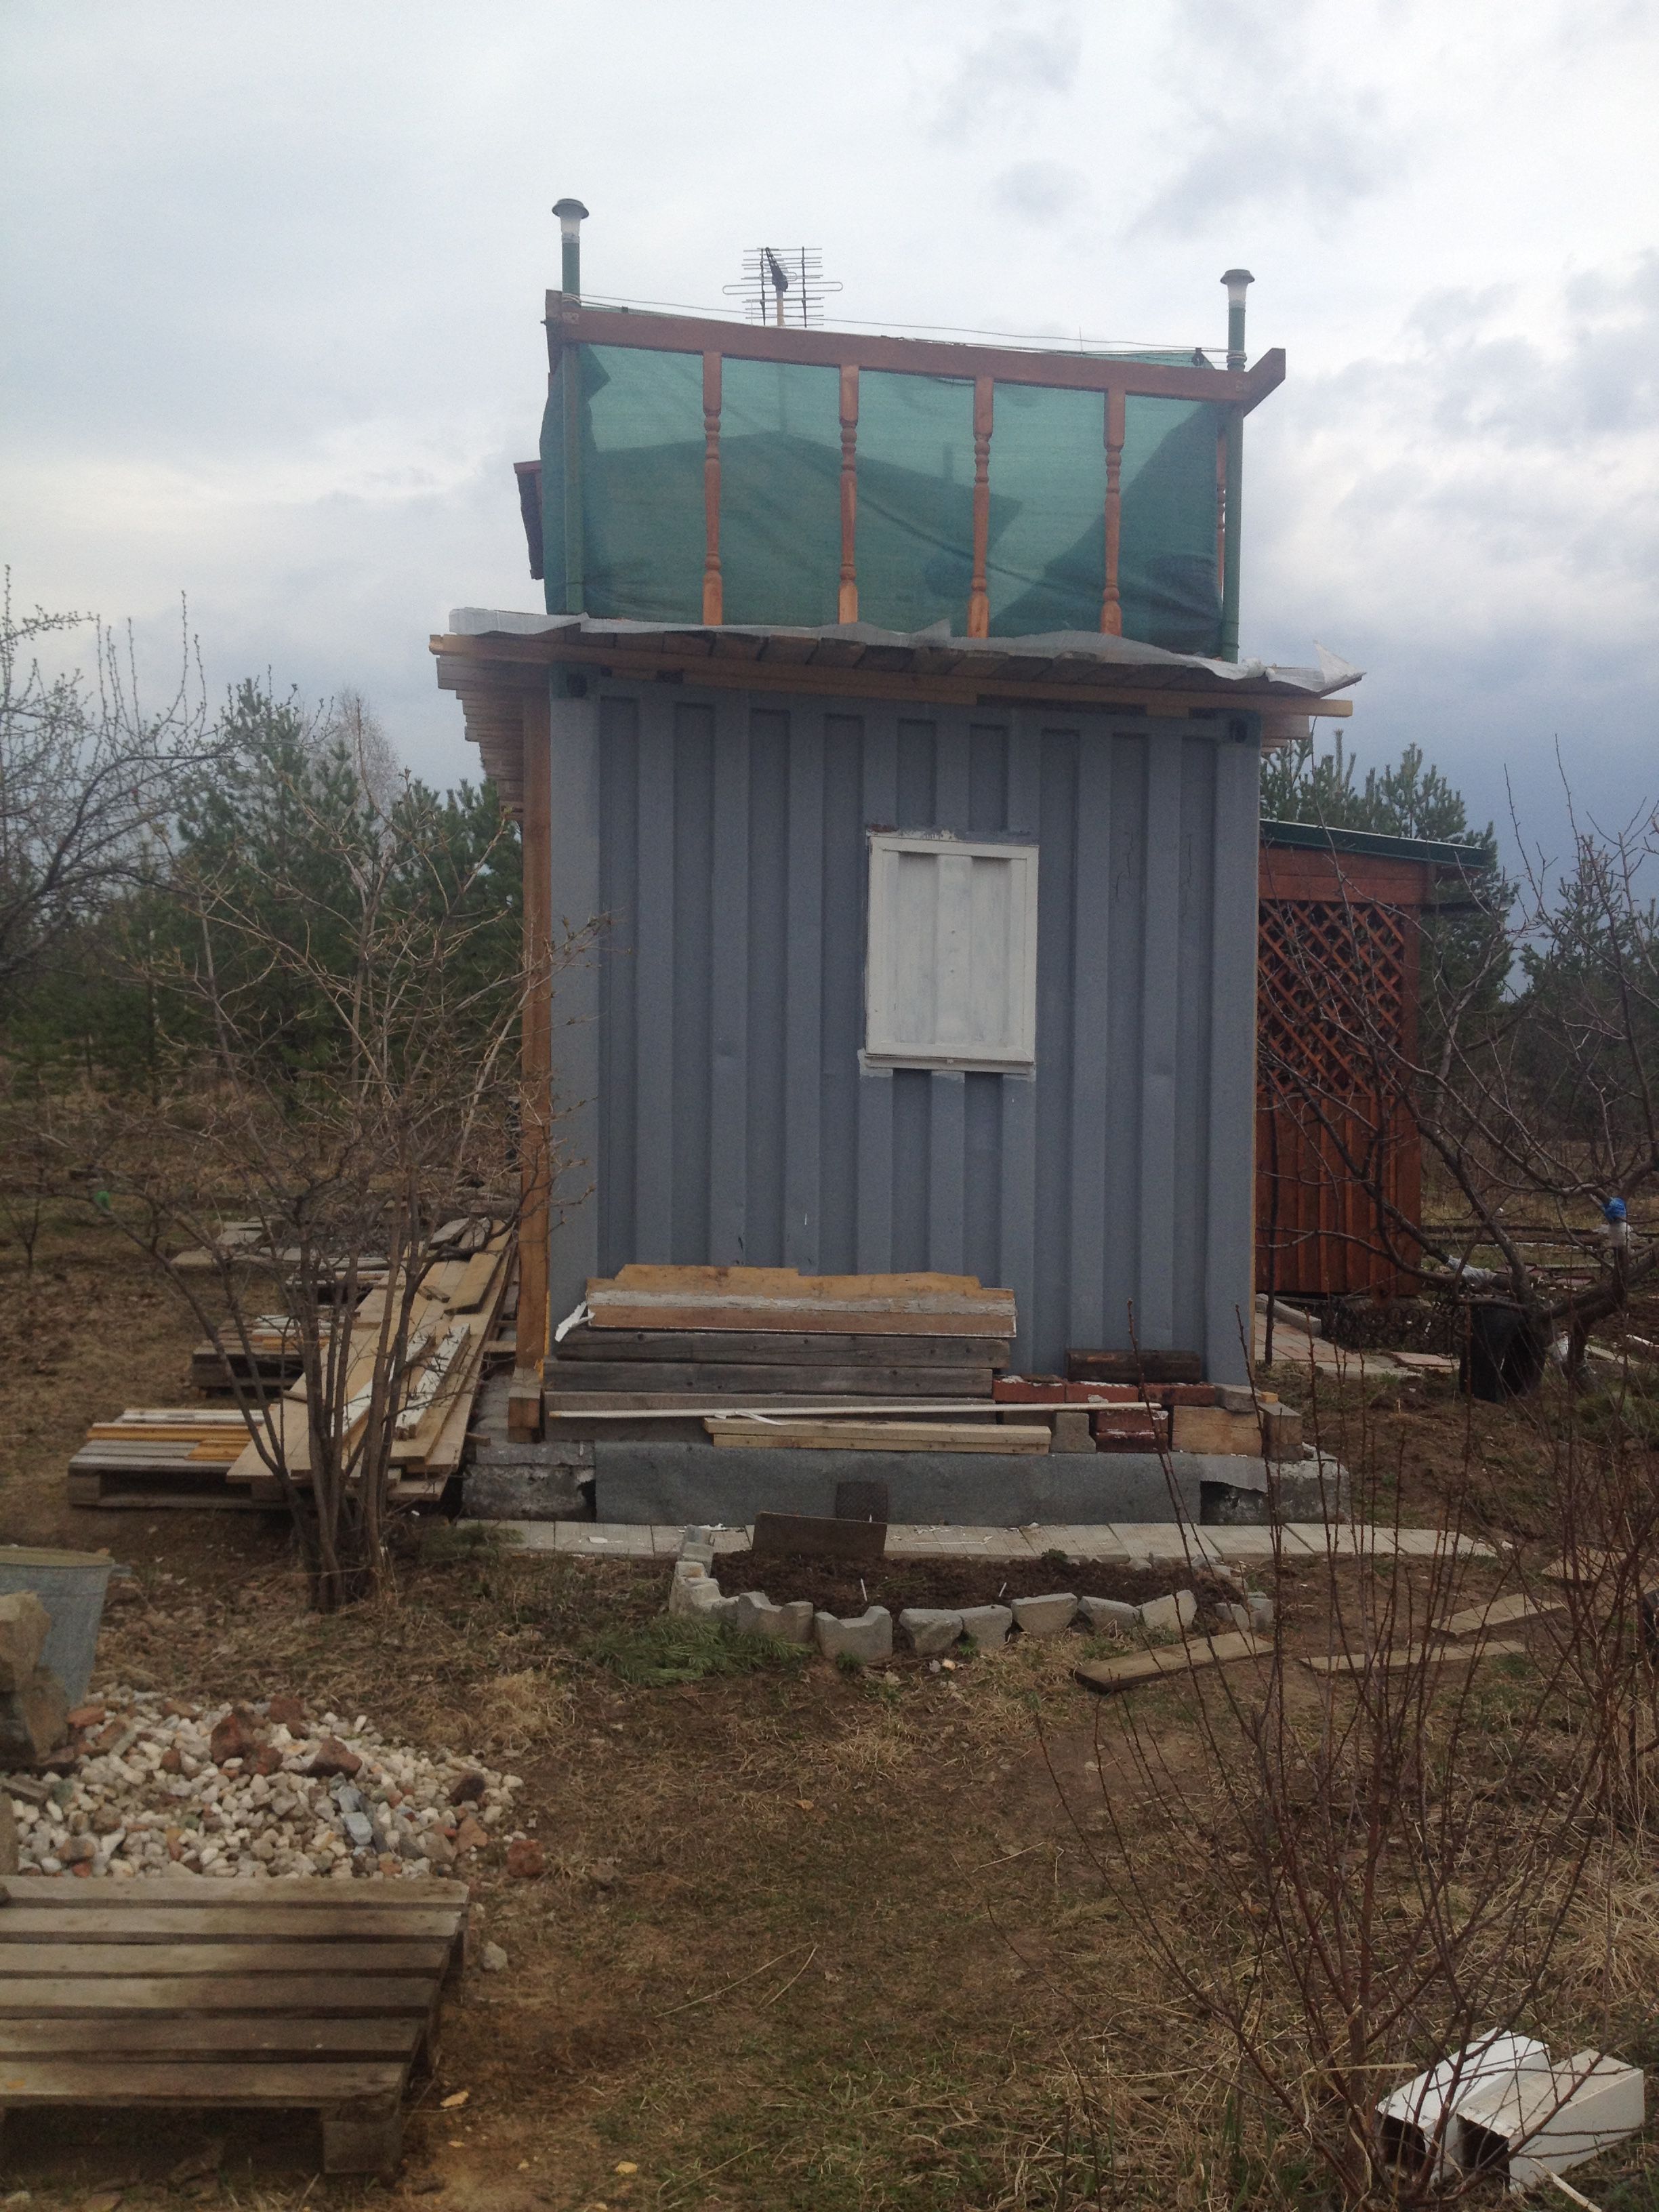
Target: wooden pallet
<point>302,1993</point>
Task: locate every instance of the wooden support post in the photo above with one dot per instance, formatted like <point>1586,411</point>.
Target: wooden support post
<point>847,608</point>
<point>713,589</point>
<point>1111,604</point>
<point>535,1085</point>
<point>359,2142</point>
<point>979,604</point>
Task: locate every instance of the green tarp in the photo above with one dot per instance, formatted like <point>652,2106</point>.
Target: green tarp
<point>644,537</point>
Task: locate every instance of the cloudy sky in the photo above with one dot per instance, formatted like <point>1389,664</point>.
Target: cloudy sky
<point>272,278</point>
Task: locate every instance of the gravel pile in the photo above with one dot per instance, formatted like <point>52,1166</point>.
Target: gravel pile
<point>160,1788</point>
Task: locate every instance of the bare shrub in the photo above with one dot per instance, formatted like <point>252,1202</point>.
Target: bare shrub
<point>1351,1868</point>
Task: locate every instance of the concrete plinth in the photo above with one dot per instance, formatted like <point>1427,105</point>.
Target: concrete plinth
<point>668,1482</point>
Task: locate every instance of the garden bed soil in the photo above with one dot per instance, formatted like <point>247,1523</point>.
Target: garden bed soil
<point>845,1586</point>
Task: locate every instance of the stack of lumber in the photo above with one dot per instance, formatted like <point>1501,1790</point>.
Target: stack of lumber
<point>157,1456</point>
<point>655,1342</point>
<point>267,1363</point>
<point>308,1995</point>
<point>452,1324</point>
<point>205,1456</point>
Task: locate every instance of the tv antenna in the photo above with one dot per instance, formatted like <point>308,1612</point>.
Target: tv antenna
<point>784,285</point>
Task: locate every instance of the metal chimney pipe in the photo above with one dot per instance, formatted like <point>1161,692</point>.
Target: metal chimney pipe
<point>572,215</point>
<point>1237,282</point>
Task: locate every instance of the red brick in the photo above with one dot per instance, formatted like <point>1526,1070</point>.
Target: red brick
<point>1103,1394</point>
<point>1186,1394</point>
<point>1028,1390</point>
<point>1131,1427</point>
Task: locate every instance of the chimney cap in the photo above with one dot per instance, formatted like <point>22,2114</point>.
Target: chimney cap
<point>570,209</point>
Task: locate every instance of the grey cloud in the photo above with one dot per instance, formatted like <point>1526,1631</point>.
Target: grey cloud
<point>1237,169</point>
<point>1600,383</point>
<point>1040,192</point>
<point>1030,56</point>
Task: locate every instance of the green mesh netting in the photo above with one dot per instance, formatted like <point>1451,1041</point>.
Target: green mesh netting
<point>915,518</point>
<point>641,495</point>
<point>779,491</point>
<point>1046,565</point>
<point>1167,573</point>
<point>641,487</point>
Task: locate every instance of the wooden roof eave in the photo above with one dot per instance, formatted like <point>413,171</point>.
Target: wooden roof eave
<point>514,664</point>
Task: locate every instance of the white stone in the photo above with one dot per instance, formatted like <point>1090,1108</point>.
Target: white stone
<point>1170,1615</point>
<point>1109,1616</point>
<point>1045,1616</point>
<point>929,1630</point>
<point>754,1614</point>
<point>987,1625</point>
<point>867,1638</point>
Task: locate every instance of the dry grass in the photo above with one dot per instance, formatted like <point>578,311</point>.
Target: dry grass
<point>805,1942</point>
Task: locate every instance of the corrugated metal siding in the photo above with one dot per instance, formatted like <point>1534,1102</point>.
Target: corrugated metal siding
<point>711,1054</point>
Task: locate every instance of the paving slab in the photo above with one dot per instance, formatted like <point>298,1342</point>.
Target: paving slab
<point>1127,1540</point>
<point>1093,1542</point>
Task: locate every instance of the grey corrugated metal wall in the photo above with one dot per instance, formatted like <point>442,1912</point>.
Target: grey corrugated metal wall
<point>707,1056</point>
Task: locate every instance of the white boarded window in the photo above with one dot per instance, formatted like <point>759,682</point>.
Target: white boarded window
<point>952,975</point>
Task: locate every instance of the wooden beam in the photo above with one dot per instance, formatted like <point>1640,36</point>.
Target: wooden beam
<point>979,604</point>
<point>874,683</point>
<point>570,322</point>
<point>714,590</point>
<point>536,1097</point>
<point>847,605</point>
<point>1111,604</point>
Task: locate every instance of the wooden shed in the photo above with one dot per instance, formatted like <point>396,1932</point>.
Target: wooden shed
<point>1341,916</point>
<point>886,713</point>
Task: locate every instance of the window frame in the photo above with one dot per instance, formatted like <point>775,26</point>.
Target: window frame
<point>882,1047</point>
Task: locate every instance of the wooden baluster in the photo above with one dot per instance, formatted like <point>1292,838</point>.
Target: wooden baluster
<point>1111,602</point>
<point>713,589</point>
<point>847,608</point>
<point>979,604</point>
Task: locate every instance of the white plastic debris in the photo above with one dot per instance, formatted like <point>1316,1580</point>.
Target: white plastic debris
<point>1500,2106</point>
<point>1416,2120</point>
<point>1544,2124</point>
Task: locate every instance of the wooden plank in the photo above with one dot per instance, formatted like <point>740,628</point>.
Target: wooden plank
<point>478,1280</point>
<point>1168,1659</point>
<point>1144,1365</point>
<point>143,2082</point>
<point>581,1405</point>
<point>604,1375</point>
<point>1405,1654</point>
<point>112,1921</point>
<point>787,1347</point>
<point>182,1957</point>
<point>878,1436</point>
<point>21,1995</point>
<point>1499,1612</point>
<point>645,1296</point>
<point>136,2034</point>
<point>95,1893</point>
<point>787,1535</point>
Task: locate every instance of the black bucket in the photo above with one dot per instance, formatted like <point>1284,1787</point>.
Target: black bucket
<point>1504,1354</point>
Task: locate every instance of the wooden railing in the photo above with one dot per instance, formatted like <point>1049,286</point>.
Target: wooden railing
<point>1116,379</point>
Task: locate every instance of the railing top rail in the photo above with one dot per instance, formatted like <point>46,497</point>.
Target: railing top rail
<point>571,323</point>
